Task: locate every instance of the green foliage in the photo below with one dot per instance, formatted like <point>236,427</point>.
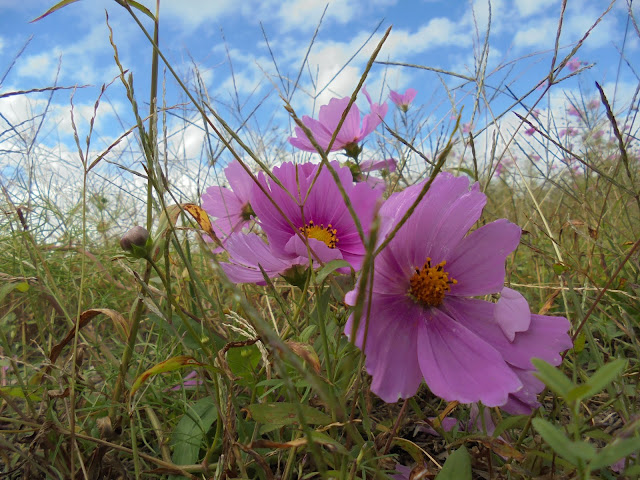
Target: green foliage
<point>189,434</point>
<point>457,466</point>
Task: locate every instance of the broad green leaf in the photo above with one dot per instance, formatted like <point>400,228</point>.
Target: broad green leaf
<point>552,377</point>
<point>615,451</point>
<point>244,361</point>
<point>169,365</point>
<point>187,438</point>
<point>559,268</point>
<point>18,392</point>
<point>56,7</point>
<point>329,268</point>
<point>557,440</point>
<point>578,393</point>
<point>457,466</point>
<point>282,413</point>
<point>6,289</point>
<point>632,470</point>
<point>604,376</point>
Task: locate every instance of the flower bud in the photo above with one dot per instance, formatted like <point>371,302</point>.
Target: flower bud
<point>137,236</point>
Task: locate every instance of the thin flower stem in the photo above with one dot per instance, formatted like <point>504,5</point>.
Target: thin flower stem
<point>128,351</point>
<point>396,426</point>
<point>423,192</point>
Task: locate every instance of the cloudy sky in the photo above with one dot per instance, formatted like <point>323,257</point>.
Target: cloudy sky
<point>249,53</point>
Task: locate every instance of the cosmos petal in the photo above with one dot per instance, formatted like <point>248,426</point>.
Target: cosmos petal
<point>512,313</point>
<point>459,365</point>
<point>477,264</point>
<point>391,347</point>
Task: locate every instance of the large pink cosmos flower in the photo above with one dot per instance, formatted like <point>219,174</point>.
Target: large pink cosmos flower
<point>315,220</point>
<point>229,209</point>
<point>423,322</point>
<point>403,101</point>
<point>352,130</point>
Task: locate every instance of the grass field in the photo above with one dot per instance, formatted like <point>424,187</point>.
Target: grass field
<point>148,362</point>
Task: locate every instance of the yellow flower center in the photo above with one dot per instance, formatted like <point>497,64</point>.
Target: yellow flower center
<point>327,234</point>
<point>429,284</point>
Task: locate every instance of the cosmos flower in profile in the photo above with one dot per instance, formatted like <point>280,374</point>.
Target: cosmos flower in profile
<point>305,220</point>
<point>229,208</point>
<point>403,101</point>
<point>420,317</point>
<point>353,130</point>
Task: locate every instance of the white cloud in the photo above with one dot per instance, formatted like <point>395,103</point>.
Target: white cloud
<point>580,20</point>
<point>526,8</point>
<point>41,65</point>
<point>540,33</point>
<point>195,13</point>
<point>305,14</point>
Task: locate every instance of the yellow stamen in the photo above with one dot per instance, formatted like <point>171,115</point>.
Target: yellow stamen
<point>429,284</point>
<point>327,234</point>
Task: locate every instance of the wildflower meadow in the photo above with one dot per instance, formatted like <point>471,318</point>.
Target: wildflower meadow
<point>388,284</point>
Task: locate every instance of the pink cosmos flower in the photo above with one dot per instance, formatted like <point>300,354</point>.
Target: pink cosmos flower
<point>574,64</point>
<point>188,382</point>
<point>389,165</point>
<point>315,219</point>
<point>530,131</point>
<point>229,209</point>
<point>422,322</point>
<point>352,130</point>
<point>360,171</point>
<point>573,111</point>
<point>403,101</point>
<point>543,85</point>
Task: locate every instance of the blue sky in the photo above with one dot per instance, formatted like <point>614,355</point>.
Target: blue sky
<point>442,34</point>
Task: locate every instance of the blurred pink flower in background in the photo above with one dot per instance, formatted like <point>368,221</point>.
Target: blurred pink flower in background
<point>361,171</point>
<point>594,104</point>
<point>353,130</point>
<point>403,101</point>
<point>188,381</point>
<point>467,127</point>
<point>530,131</point>
<point>569,132</point>
<point>573,111</point>
<point>229,209</point>
<point>574,64</point>
<point>543,85</point>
